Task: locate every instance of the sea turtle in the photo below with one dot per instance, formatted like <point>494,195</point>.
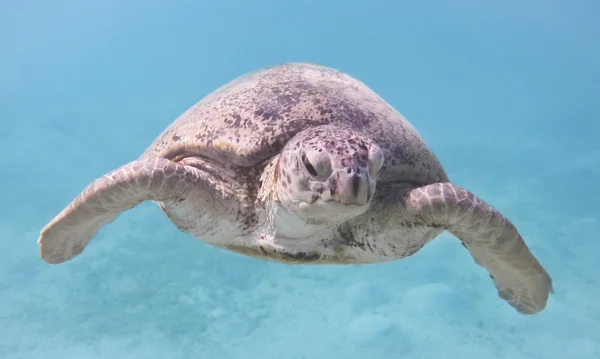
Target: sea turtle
<point>301,163</point>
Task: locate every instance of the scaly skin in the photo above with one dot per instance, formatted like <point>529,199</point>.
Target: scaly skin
<point>492,240</point>
<point>104,199</point>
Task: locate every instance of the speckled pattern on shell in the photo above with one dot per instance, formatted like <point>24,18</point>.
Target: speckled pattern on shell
<point>250,119</point>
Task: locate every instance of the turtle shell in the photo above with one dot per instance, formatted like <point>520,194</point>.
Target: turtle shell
<point>249,120</point>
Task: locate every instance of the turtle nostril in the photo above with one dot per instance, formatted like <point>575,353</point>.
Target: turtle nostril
<point>355,185</point>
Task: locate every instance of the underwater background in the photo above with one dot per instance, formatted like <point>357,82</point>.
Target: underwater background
<point>506,93</point>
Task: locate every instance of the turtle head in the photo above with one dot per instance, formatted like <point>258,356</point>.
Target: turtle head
<point>328,173</point>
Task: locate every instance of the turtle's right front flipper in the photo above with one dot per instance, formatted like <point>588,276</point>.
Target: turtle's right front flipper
<point>156,179</point>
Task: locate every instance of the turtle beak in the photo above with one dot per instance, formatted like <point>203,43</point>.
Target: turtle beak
<point>352,186</point>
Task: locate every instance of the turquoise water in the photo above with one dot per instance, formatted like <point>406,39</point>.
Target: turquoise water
<point>506,94</point>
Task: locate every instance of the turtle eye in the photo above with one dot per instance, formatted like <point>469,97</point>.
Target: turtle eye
<point>309,167</point>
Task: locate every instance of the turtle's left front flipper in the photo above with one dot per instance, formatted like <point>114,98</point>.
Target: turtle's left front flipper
<point>492,240</point>
<point>156,179</point>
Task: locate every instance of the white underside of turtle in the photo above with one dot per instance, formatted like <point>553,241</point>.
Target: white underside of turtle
<point>300,163</point>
